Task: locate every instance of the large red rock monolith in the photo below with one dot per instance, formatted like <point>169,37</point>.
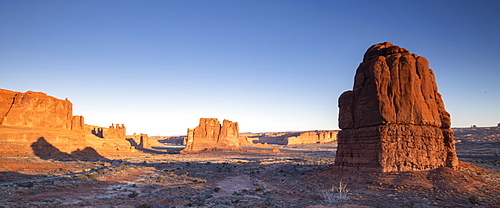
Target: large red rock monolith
<point>394,118</point>
<point>210,135</point>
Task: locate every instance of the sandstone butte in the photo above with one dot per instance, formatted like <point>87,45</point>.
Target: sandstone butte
<point>35,124</point>
<point>394,118</point>
<point>209,135</point>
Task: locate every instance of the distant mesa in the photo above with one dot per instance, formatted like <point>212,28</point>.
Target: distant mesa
<point>210,135</point>
<point>292,138</point>
<point>394,118</point>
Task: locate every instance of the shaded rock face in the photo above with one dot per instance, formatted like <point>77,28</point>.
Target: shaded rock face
<point>394,118</point>
<point>144,143</point>
<point>210,135</point>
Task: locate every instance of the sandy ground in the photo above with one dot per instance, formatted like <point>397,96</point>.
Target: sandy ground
<point>299,176</point>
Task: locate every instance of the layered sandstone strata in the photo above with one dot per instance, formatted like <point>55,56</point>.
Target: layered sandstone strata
<point>36,109</point>
<point>292,138</point>
<point>144,141</point>
<point>394,118</point>
<point>312,137</point>
<point>35,124</point>
<point>211,135</point>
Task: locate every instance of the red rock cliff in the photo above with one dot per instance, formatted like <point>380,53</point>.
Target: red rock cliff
<point>33,121</point>
<point>36,109</point>
<point>394,118</point>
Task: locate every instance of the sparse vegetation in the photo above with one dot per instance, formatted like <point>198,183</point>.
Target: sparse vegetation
<point>416,203</point>
<point>336,194</point>
<point>474,199</point>
<point>199,180</point>
<point>92,176</point>
<point>133,194</point>
<point>29,185</point>
<point>81,176</point>
<point>259,181</point>
<point>217,189</point>
<point>143,206</point>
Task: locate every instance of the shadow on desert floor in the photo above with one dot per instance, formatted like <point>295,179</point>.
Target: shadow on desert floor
<point>46,151</point>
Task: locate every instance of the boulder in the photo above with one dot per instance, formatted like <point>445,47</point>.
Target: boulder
<point>394,118</point>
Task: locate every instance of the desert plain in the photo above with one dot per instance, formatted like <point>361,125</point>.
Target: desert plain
<point>294,177</point>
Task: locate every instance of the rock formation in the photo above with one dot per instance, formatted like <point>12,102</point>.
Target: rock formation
<point>34,119</point>
<point>229,136</point>
<point>293,138</point>
<point>117,132</point>
<point>210,135</point>
<point>144,143</point>
<point>171,140</point>
<point>36,109</point>
<point>312,137</point>
<point>394,118</point>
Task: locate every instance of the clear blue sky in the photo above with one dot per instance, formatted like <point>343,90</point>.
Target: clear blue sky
<point>159,66</point>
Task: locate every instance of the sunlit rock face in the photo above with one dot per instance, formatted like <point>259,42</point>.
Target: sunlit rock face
<point>394,118</point>
<point>36,124</point>
<point>209,135</point>
<point>36,109</point>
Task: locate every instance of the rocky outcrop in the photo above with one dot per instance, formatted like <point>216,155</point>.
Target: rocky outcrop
<point>210,135</point>
<point>312,137</point>
<point>394,118</point>
<point>171,140</point>
<point>293,138</point>
<point>116,132</point>
<point>144,142</point>
<point>32,120</point>
<point>229,136</point>
<point>36,109</point>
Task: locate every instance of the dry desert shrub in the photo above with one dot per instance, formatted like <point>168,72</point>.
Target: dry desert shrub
<point>416,203</point>
<point>336,194</point>
<point>474,199</point>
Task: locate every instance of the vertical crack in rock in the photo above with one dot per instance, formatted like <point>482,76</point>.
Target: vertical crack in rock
<point>4,118</point>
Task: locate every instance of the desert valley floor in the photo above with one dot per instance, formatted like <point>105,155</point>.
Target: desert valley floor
<point>298,176</point>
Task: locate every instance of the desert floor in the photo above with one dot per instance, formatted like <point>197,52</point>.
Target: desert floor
<point>299,176</point>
